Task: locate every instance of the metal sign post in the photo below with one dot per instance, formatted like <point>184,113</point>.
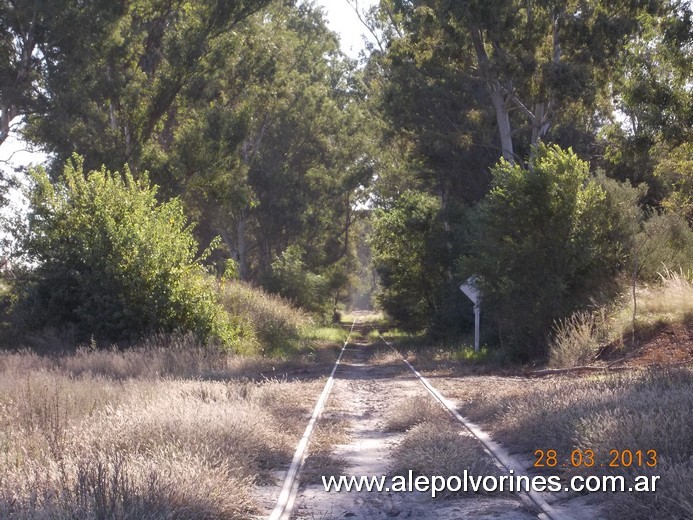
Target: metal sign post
<point>470,290</point>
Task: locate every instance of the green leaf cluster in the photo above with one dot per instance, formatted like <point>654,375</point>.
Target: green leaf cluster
<point>113,262</point>
<point>545,243</point>
<point>411,252</point>
<point>293,280</point>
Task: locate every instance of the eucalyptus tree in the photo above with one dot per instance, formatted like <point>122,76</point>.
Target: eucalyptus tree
<point>34,38</point>
<point>274,146</point>
<point>104,79</point>
<point>651,141</point>
<point>463,83</point>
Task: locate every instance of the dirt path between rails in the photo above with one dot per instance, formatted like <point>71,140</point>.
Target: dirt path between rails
<point>367,387</point>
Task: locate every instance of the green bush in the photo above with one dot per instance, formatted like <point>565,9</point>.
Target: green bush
<point>113,263</point>
<point>545,244</point>
<point>665,243</point>
<point>412,253</point>
<point>292,279</point>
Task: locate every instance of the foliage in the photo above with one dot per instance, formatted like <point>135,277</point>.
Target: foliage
<point>108,77</point>
<point>114,263</point>
<point>292,279</point>
<point>271,325</point>
<point>411,252</point>
<point>469,81</point>
<point>665,243</point>
<point>651,91</point>
<point>273,145</point>
<point>675,170</point>
<point>163,430</point>
<point>542,247</point>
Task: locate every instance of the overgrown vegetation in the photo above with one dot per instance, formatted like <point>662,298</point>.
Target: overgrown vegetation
<point>638,411</point>
<point>544,246</point>
<point>540,149</point>
<point>409,412</point>
<point>270,324</point>
<point>432,448</point>
<point>578,339</point>
<point>107,260</point>
<point>411,252</point>
<point>170,430</point>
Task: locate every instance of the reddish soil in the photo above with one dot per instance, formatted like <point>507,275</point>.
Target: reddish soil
<point>670,344</point>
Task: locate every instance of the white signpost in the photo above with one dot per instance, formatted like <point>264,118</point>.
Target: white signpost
<point>470,290</point>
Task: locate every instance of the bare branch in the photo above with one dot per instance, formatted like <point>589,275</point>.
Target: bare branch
<point>354,4</point>
<point>8,161</point>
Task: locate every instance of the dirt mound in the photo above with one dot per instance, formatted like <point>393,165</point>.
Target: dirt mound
<point>666,344</point>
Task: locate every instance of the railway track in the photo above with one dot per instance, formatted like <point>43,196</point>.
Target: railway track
<point>364,384</point>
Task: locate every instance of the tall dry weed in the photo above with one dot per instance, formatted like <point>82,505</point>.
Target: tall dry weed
<point>144,433</point>
<point>671,300</point>
<point>576,340</point>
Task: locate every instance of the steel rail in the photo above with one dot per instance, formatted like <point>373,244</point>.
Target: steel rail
<point>287,495</point>
<point>504,459</point>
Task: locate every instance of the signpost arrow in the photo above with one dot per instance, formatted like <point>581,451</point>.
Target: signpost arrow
<point>470,290</point>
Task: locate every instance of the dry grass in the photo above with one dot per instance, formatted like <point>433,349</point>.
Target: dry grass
<point>147,433</point>
<point>440,448</point>
<point>408,412</point>
<point>669,302</point>
<point>321,460</point>
<point>637,411</point>
<point>577,339</point>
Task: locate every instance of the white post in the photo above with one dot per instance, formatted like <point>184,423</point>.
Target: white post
<point>477,320</point>
<point>470,290</point>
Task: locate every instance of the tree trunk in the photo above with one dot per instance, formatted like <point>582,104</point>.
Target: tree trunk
<point>503,121</point>
<point>239,247</point>
<point>497,96</point>
<point>537,123</point>
<point>7,114</point>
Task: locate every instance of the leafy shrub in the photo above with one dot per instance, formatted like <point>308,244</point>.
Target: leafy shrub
<point>412,253</point>
<point>665,243</point>
<point>544,245</point>
<point>292,279</point>
<point>114,263</point>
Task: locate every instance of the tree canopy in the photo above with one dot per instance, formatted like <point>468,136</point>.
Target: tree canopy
<point>114,263</point>
<point>542,145</point>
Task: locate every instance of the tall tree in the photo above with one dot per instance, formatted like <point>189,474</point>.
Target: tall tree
<point>467,82</point>
<point>34,36</point>
<point>650,139</point>
<point>107,80</point>
<point>532,57</point>
<point>275,150</point>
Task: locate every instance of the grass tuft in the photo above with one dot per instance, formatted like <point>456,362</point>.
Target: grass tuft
<point>409,412</point>
<point>432,448</point>
<point>153,432</point>
<point>576,340</point>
